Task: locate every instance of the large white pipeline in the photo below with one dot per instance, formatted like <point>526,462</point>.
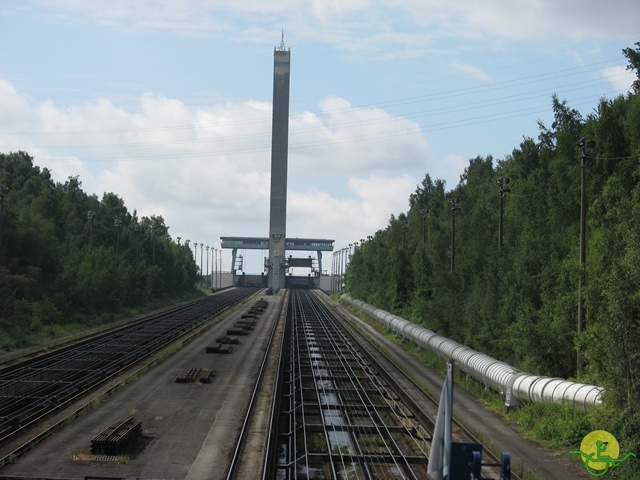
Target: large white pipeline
<point>517,387</point>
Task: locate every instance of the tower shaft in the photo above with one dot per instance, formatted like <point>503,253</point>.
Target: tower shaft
<point>279,158</point>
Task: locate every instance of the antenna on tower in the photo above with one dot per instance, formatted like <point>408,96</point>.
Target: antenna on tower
<point>282,41</point>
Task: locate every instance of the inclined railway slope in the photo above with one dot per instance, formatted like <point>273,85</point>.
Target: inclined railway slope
<point>176,418</point>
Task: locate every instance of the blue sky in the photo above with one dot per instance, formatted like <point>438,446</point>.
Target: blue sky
<point>168,103</point>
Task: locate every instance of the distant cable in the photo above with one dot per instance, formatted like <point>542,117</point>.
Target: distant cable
<point>526,194</point>
<point>630,157</point>
<point>398,102</point>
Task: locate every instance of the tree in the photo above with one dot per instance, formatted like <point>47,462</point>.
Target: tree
<point>64,267</point>
<point>633,56</point>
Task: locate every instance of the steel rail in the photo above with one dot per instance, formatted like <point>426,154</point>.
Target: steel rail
<point>275,404</point>
<point>343,396</point>
<point>392,446</point>
<point>299,339</point>
<point>30,393</point>
<point>236,457</point>
<point>46,350</point>
<point>352,384</point>
<point>320,388</point>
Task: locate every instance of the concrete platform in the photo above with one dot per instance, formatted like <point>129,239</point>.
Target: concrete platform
<point>189,429</point>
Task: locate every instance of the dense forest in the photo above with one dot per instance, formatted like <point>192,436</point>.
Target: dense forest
<point>443,263</point>
<point>67,257</point>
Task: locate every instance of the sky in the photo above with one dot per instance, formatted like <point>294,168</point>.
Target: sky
<point>167,103</point>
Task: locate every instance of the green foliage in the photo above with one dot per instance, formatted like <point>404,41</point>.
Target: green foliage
<point>519,304</point>
<point>58,266</point>
<point>633,55</point>
<point>560,425</point>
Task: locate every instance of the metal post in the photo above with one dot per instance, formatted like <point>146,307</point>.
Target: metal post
<point>341,269</point>
<point>501,182</point>
<point>90,215</point>
<point>454,202</point>
<point>117,222</point>
<point>583,145</point>
<point>207,277</point>
<point>195,254</point>
<point>425,214</point>
<point>333,272</point>
<point>214,276</point>
<point>3,190</point>
<point>201,270</point>
<point>136,228</point>
<point>337,267</point>
<point>337,270</point>
<point>153,244</point>
<point>347,251</point>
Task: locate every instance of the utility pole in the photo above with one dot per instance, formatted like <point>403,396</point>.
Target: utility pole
<point>333,272</point>
<point>90,216</point>
<point>425,214</point>
<point>454,202</point>
<point>153,244</point>
<point>3,190</point>
<point>502,182</point>
<point>136,228</point>
<point>117,223</point>
<point>201,271</point>
<point>582,145</point>
<point>207,264</point>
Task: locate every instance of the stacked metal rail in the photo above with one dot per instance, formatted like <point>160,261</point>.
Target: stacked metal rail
<point>518,387</point>
<point>32,389</point>
<point>116,438</point>
<point>338,419</point>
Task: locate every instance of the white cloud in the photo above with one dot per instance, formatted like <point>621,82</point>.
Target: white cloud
<point>526,19</point>
<point>358,23</point>
<point>206,170</point>
<point>449,169</point>
<point>620,77</point>
<point>342,138</point>
<point>382,196</point>
<point>472,71</point>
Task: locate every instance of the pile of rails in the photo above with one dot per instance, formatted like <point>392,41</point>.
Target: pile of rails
<point>246,324</point>
<point>117,438</point>
<point>192,375</point>
<point>223,345</point>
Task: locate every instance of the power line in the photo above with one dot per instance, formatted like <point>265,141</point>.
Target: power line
<point>456,93</point>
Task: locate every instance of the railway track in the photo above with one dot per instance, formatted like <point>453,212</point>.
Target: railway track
<point>33,390</point>
<point>335,407</point>
<point>344,410</point>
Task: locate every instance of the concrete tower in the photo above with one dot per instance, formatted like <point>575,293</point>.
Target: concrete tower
<point>279,154</point>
